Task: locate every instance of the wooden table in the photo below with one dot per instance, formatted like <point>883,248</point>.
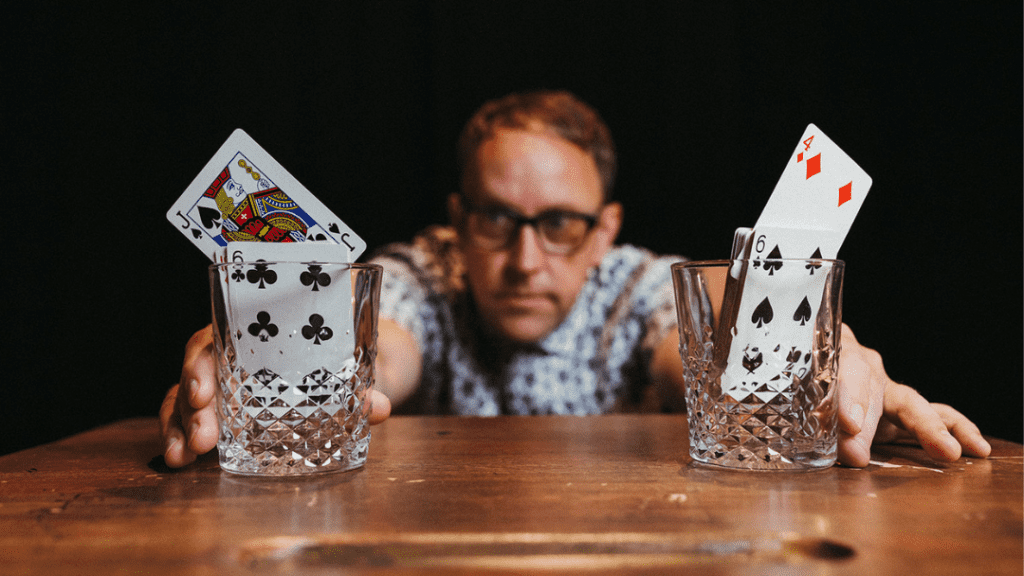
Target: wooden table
<point>610,494</point>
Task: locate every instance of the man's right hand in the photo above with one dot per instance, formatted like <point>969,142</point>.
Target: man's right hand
<point>188,415</point>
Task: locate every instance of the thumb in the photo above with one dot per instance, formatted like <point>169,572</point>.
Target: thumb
<point>380,407</point>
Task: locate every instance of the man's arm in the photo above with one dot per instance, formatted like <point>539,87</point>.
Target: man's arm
<point>666,367</point>
<point>399,362</point>
<point>188,417</point>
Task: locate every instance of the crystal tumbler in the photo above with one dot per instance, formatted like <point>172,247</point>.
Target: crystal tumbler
<point>760,343</point>
<point>295,344</point>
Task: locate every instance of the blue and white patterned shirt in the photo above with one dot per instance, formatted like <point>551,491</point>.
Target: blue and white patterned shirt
<point>595,362</point>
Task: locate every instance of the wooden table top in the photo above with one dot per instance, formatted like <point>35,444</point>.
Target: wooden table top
<point>608,494</point>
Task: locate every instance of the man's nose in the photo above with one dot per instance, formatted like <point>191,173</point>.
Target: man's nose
<point>527,253</point>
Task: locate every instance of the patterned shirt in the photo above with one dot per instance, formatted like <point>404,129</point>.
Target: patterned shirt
<point>595,362</point>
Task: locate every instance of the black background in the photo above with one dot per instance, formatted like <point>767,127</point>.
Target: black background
<point>107,116</point>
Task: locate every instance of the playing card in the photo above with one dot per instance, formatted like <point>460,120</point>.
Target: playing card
<point>774,325</point>
<point>295,307</point>
<point>774,243</point>
<point>282,252</point>
<point>733,286</point>
<point>770,303</point>
<point>820,189</point>
<point>244,195</point>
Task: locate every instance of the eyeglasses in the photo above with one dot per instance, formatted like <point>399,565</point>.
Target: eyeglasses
<point>495,228</point>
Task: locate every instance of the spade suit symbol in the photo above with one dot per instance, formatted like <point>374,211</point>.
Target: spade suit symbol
<point>773,262</point>
<point>209,217</point>
<point>803,312</point>
<point>812,266</point>
<point>793,356</point>
<point>763,314</point>
<point>752,363</point>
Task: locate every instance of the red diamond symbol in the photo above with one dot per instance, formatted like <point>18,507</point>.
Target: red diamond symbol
<point>800,157</point>
<point>813,165</point>
<point>845,193</point>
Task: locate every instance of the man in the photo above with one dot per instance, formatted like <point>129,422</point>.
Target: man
<point>525,306</point>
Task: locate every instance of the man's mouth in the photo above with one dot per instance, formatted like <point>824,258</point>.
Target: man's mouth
<point>525,300</point>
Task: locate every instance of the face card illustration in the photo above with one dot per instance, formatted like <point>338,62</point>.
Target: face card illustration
<point>244,195</point>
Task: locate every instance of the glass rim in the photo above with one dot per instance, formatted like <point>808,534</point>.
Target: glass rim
<point>355,265</point>
<point>726,262</point>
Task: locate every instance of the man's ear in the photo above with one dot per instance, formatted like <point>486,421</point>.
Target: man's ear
<point>609,222</point>
<point>455,210</point>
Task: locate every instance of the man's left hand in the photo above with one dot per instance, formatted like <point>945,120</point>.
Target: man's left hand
<point>874,409</point>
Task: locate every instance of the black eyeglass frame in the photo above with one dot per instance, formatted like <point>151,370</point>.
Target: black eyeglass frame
<point>546,244</point>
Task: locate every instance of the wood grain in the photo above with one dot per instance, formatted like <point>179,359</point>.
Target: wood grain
<point>609,494</point>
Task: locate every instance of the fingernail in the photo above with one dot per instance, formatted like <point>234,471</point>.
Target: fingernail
<point>172,440</point>
<point>193,389</point>
<point>192,429</point>
<point>952,444</point>
<point>857,414</point>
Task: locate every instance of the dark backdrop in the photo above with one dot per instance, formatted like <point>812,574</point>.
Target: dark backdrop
<point>107,115</point>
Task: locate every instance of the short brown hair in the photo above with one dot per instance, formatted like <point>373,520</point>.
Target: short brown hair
<point>559,112</point>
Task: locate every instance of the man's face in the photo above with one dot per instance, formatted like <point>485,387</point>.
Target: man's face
<point>523,293</point>
<point>234,189</point>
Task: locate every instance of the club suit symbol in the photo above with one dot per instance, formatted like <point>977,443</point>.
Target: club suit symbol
<point>261,274</point>
<point>262,328</point>
<point>315,330</point>
<point>316,277</point>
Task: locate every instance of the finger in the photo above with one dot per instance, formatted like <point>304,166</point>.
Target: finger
<point>888,432</point>
<point>965,431</point>
<point>381,407</point>
<point>855,445</point>
<point>198,371</point>
<point>202,430</point>
<point>204,381</point>
<point>910,411</point>
<point>854,450</point>
<point>860,398</point>
<point>176,453</point>
<point>168,417</point>
<point>855,378</point>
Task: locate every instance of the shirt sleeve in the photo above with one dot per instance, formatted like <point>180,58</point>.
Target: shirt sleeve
<point>656,298</point>
<point>403,299</point>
